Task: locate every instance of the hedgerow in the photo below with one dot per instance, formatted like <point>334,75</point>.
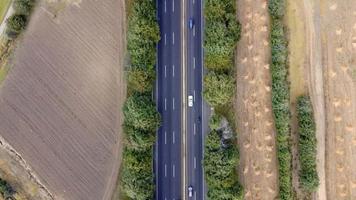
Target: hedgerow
<point>141,118</point>
<point>220,169</point>
<point>308,175</point>
<point>222,31</point>
<point>6,191</point>
<point>280,97</point>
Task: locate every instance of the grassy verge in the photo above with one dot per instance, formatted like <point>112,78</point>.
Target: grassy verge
<point>221,154</point>
<point>280,97</point>
<point>4,6</point>
<point>308,176</point>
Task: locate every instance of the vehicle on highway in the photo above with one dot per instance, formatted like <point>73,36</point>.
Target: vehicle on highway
<point>190,101</point>
<point>190,191</point>
<point>191,23</point>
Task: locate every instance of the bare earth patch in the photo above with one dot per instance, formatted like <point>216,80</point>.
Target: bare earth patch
<point>60,105</point>
<point>253,104</point>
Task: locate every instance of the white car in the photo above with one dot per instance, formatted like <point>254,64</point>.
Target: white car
<point>190,101</point>
<point>190,191</point>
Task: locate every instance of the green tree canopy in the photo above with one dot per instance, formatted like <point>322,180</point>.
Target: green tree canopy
<point>219,89</point>
<point>137,139</point>
<point>16,23</point>
<point>141,80</point>
<point>140,112</point>
<point>137,178</point>
<point>24,7</point>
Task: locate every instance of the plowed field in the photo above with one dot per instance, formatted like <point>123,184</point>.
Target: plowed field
<point>60,104</point>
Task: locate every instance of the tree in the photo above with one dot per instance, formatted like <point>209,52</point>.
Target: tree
<point>137,178</point>
<point>219,89</point>
<point>219,167</point>
<point>137,139</point>
<point>140,112</point>
<point>15,24</point>
<point>215,121</point>
<point>308,174</point>
<point>24,7</point>
<point>141,80</point>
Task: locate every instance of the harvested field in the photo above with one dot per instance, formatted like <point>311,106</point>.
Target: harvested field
<point>338,28</point>
<point>60,103</point>
<point>253,104</point>
<point>330,55</point>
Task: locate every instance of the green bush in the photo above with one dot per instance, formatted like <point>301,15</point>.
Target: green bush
<point>220,169</point>
<point>141,80</point>
<point>143,33</point>
<point>5,189</point>
<point>140,112</point>
<point>214,122</point>
<point>308,175</point>
<point>222,31</point>
<point>137,177</point>
<point>280,97</point>
<point>219,89</point>
<point>24,7</point>
<point>137,139</point>
<point>16,23</point>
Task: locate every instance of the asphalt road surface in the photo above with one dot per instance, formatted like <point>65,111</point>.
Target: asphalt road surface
<point>195,117</point>
<point>169,102</point>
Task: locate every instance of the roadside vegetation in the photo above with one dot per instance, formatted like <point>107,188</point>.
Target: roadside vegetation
<point>15,25</point>
<point>308,175</point>
<point>141,118</point>
<point>222,32</point>
<point>280,97</point>
<point>6,191</point>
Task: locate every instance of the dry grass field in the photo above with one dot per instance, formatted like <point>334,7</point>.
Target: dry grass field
<point>253,104</point>
<point>60,105</point>
<point>330,50</point>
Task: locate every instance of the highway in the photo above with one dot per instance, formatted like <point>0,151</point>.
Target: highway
<point>195,117</point>
<point>169,102</point>
<point>169,89</point>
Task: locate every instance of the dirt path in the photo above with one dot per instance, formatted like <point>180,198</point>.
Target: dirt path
<point>254,117</point>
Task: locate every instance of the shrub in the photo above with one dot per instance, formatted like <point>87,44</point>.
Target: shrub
<point>280,97</point>
<point>219,89</point>
<point>5,189</point>
<point>308,175</point>
<point>143,33</point>
<point>220,22</point>
<point>16,23</point>
<point>214,122</point>
<point>140,112</point>
<point>23,7</point>
<point>137,139</point>
<point>141,80</point>
<point>137,177</point>
<point>220,169</point>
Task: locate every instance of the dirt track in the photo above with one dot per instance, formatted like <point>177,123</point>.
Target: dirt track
<point>60,104</point>
<point>254,110</point>
<point>331,36</point>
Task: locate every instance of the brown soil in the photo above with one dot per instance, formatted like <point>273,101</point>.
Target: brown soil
<point>60,104</point>
<point>253,104</point>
